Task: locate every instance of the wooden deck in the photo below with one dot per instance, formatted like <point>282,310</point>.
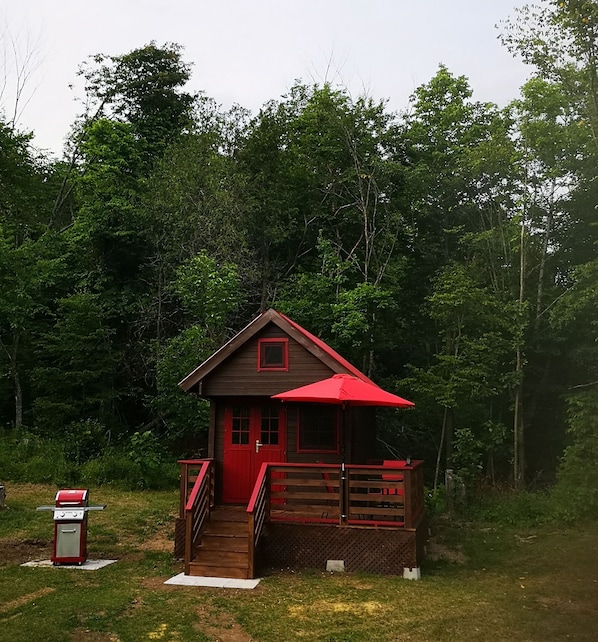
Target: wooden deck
<point>373,516</point>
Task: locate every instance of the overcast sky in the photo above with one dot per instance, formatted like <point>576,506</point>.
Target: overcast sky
<point>251,51</point>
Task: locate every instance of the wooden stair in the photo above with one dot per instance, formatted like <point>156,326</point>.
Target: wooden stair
<point>223,551</point>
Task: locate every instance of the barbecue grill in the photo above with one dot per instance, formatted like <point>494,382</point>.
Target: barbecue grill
<point>70,525</point>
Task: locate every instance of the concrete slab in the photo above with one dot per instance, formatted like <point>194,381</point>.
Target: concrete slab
<point>212,582</point>
<point>89,565</point>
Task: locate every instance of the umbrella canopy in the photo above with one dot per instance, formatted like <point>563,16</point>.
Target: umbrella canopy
<point>343,389</point>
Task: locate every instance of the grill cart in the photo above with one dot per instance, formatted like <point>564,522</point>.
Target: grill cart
<point>70,526</point>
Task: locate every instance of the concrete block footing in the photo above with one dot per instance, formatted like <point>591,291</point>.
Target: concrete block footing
<point>335,566</point>
<point>412,573</point>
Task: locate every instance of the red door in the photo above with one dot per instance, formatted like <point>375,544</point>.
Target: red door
<point>253,434</point>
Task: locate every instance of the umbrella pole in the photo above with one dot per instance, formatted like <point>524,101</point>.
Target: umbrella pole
<point>343,493</point>
<point>343,488</point>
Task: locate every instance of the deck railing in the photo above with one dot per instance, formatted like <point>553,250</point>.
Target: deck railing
<point>347,495</point>
<point>199,501</point>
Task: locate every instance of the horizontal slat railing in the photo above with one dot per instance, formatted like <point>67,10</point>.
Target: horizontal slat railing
<point>305,493</point>
<point>198,508</point>
<point>350,495</point>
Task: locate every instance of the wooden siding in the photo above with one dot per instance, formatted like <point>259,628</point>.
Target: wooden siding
<point>238,375</point>
<point>219,447</point>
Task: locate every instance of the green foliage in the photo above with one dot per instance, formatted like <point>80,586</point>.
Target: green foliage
<point>75,372</point>
<point>116,467</point>
<point>448,252</point>
<point>26,457</point>
<point>184,415</point>
<point>75,459</point>
<point>522,509</point>
<point>210,292</point>
<point>576,490</point>
<point>143,88</point>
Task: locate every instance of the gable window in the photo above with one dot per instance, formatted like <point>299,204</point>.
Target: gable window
<point>273,354</point>
<point>318,429</point>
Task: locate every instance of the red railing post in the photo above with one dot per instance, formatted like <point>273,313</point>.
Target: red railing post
<point>259,512</point>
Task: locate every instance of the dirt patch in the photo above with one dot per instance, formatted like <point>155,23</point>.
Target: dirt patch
<point>220,626</point>
<point>18,551</point>
<point>437,551</point>
<point>160,542</point>
<point>577,607</point>
<point>370,608</point>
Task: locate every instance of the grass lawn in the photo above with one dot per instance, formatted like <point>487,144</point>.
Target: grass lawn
<point>483,583</point>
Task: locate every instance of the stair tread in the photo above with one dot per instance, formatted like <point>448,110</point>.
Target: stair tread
<point>228,544</point>
<point>228,526</point>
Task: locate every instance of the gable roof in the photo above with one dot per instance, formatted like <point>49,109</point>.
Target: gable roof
<point>310,342</point>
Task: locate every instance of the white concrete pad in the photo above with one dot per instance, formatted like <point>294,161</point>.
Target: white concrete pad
<point>88,565</point>
<point>213,582</point>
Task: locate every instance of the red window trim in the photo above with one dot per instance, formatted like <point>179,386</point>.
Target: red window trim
<point>284,367</point>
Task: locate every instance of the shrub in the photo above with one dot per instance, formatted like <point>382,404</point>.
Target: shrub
<point>137,463</point>
<point>515,508</point>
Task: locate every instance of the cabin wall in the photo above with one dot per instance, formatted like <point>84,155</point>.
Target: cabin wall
<point>238,375</point>
<point>359,424</point>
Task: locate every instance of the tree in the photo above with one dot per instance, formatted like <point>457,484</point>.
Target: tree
<point>27,265</point>
<point>559,40</point>
<point>325,195</point>
<point>143,88</point>
<point>209,293</point>
<point>75,375</point>
<point>467,378</point>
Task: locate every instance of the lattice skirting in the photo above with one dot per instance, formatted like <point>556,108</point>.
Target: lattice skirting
<point>386,552</point>
<point>179,538</point>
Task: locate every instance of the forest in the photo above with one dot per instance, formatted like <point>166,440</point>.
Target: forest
<point>448,251</point>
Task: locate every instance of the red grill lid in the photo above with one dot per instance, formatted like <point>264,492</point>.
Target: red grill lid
<point>72,497</point>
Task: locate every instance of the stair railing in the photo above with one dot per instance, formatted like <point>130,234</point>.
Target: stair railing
<point>259,512</point>
<point>198,509</point>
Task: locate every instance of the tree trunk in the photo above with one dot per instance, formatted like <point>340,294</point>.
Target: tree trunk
<point>18,401</point>
<point>518,434</point>
<point>449,428</point>
<point>518,428</point>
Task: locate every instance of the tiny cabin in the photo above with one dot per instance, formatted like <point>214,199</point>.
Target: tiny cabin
<point>291,484</point>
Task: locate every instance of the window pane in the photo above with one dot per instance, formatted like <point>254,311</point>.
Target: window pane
<point>318,428</point>
<point>273,355</point>
<point>240,426</point>
<point>269,426</point>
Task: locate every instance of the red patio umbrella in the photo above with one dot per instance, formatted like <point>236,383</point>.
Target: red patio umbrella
<point>344,389</point>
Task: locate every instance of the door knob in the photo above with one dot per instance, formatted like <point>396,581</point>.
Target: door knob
<point>258,445</point>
